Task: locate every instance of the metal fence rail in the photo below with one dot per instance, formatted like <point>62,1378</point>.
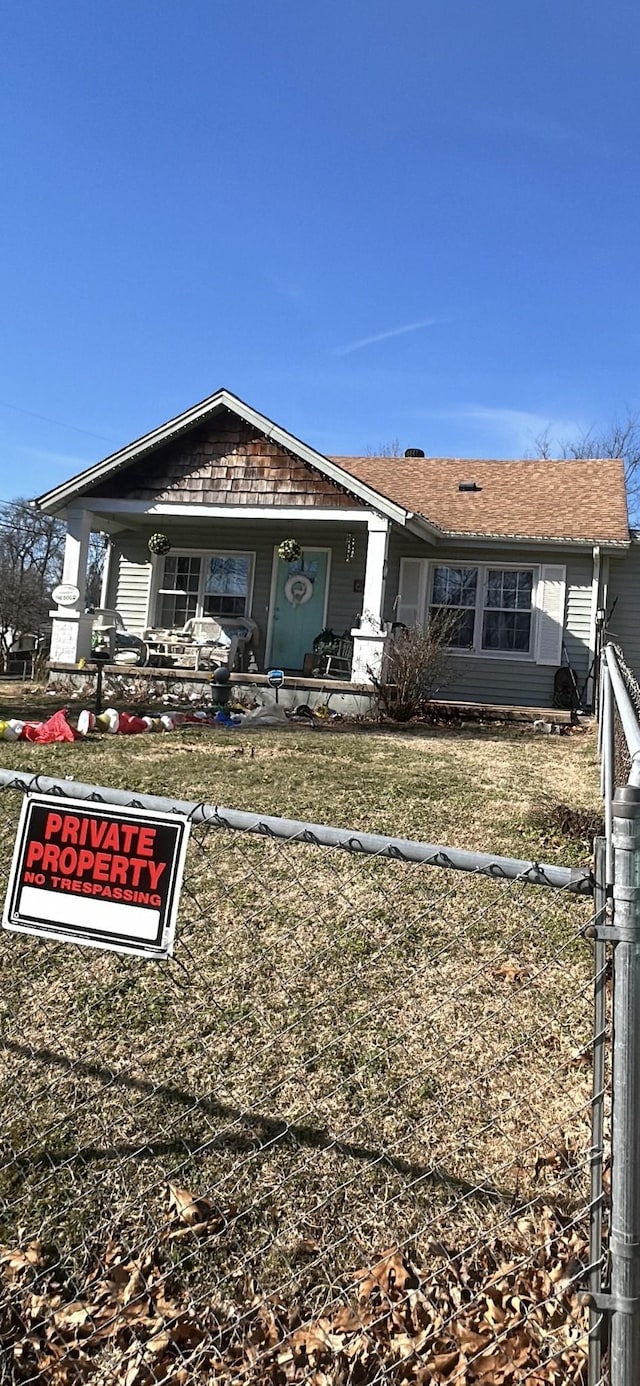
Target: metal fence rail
<point>618,931</point>
<point>574,879</point>
<point>344,1134</point>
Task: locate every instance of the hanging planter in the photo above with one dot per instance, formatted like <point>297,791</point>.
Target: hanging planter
<point>159,543</point>
<point>289,550</point>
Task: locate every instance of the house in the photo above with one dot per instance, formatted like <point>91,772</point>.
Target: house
<point>523,552</point>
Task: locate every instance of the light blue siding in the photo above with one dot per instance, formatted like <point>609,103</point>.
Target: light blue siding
<point>470,678</point>
<point>129,588</point>
<point>623,604</point>
<point>521,682</point>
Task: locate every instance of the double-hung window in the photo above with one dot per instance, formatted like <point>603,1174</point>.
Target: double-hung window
<point>179,588</point>
<point>489,609</point>
<point>508,603</point>
<point>454,593</point>
<point>510,612</point>
<point>226,584</point>
<point>205,584</point>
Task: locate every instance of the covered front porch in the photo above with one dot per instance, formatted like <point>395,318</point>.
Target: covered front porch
<point>187,589</point>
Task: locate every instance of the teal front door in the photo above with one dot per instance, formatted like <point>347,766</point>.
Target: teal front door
<point>298,607</point>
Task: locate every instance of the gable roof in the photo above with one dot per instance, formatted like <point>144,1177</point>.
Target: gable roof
<point>83,482</point>
<point>561,501</point>
<point>576,501</point>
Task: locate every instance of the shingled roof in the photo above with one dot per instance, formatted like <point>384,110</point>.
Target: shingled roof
<point>565,499</point>
<point>575,502</point>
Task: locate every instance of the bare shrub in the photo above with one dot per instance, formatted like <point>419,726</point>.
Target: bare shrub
<point>416,666</point>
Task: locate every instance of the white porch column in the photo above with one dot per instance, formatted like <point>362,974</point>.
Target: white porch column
<point>369,638</point>
<point>71,630</point>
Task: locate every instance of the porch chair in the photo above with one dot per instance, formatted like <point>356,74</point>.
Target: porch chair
<point>247,634</point>
<point>108,629</point>
<point>212,644</point>
<point>337,664</point>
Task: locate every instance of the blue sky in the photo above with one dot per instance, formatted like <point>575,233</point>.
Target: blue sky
<point>372,219</point>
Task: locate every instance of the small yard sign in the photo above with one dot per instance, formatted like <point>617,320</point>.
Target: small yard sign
<point>94,874</point>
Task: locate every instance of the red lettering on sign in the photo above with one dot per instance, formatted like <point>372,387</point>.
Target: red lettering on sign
<point>136,867</point>
<point>70,829</point>
<point>101,866</point>
<point>111,839</point>
<point>98,830</point>
<point>50,857</point>
<point>97,858</point>
<point>146,838</point>
<point>156,869</point>
<point>34,854</point>
<point>52,825</point>
<point>68,861</point>
<point>129,831</point>
<point>119,868</point>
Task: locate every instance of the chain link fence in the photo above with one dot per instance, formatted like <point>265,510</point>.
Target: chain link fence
<point>622,755</point>
<point>342,1135</point>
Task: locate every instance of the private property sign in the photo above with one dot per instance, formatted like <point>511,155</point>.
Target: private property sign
<point>94,874</point>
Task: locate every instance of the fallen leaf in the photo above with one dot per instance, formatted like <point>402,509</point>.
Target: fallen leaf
<point>185,1205</point>
<point>509,971</point>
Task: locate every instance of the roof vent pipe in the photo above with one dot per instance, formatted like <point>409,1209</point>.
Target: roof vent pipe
<point>413,452</point>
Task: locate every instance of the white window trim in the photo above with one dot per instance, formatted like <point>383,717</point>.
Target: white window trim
<point>157,567</point>
<point>476,651</point>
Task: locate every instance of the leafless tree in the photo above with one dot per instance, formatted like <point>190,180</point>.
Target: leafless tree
<point>390,448</point>
<point>31,547</point>
<point>98,544</point>
<point>620,439</point>
<point>31,553</point>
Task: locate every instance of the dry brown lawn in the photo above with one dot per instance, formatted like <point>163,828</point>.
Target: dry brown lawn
<point>345,1054</point>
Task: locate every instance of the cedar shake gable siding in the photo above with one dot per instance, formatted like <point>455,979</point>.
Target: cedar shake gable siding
<point>225,461</point>
<point>573,500</point>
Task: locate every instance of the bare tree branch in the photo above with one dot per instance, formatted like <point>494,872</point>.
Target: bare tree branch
<point>31,553</point>
<point>389,448</point>
<point>620,439</point>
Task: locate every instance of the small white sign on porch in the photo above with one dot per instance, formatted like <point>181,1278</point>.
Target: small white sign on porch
<point>65,594</point>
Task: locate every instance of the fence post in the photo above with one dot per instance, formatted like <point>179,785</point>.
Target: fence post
<point>624,1241</point>
<point>596,1319</point>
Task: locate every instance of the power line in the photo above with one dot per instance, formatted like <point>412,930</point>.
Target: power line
<point>30,413</point>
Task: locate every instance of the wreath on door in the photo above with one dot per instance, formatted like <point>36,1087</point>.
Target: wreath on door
<point>298,589</point>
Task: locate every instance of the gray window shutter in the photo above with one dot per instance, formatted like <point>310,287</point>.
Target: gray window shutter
<point>550,604</point>
<point>413,582</point>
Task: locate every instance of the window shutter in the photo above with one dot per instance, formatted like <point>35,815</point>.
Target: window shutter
<point>413,582</point>
<point>550,599</point>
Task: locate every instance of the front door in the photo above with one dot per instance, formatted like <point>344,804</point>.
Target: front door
<point>299,607</point>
